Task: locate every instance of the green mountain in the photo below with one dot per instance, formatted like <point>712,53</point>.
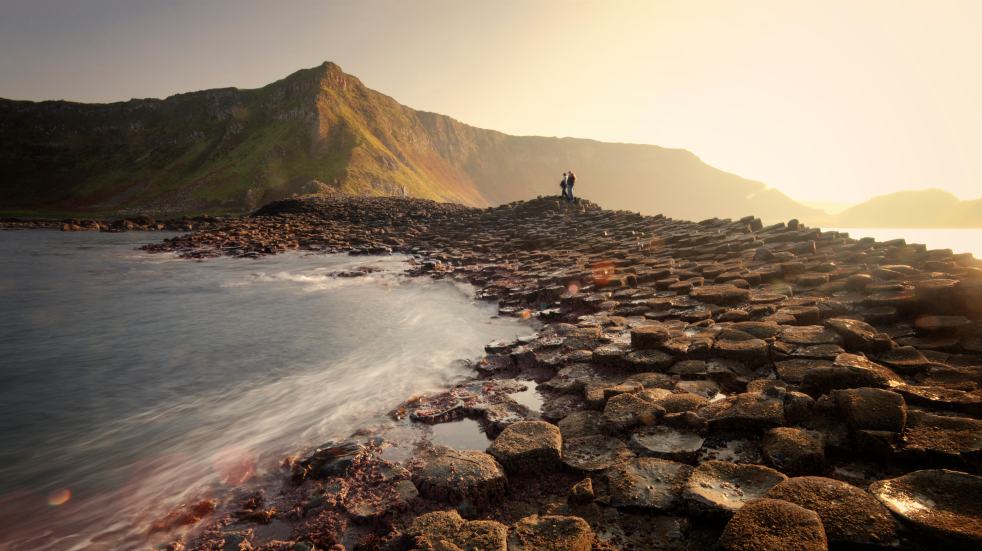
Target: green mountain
<point>322,131</point>
<point>928,208</point>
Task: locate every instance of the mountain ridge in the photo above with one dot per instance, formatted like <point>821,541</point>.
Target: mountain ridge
<point>321,130</point>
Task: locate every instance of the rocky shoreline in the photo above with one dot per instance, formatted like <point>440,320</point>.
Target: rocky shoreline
<point>713,384</point>
<point>133,223</point>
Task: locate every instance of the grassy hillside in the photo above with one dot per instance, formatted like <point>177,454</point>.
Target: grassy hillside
<point>320,129</point>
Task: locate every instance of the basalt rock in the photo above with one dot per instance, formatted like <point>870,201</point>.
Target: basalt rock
<point>647,482</point>
<point>940,505</point>
<point>944,440</point>
<point>721,487</point>
<point>390,492</point>
<point>528,447</point>
<point>850,371</point>
<point>626,411</point>
<point>794,451</point>
<point>666,339</point>
<point>858,336</point>
<point>331,459</point>
<point>582,492</point>
<point>850,515</point>
<point>649,336</point>
<point>771,525</point>
<point>666,443</point>
<point>455,476</point>
<point>443,529</point>
<point>581,423</point>
<point>872,409</point>
<point>594,453</point>
<point>751,411</point>
<point>550,533</point>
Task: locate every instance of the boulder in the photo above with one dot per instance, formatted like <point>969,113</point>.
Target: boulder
<point>647,482</point>
<point>752,411</point>
<point>649,336</point>
<point>858,282</point>
<point>773,525</point>
<point>798,407</point>
<point>793,371</point>
<point>550,533</point>
<point>447,530</point>
<point>455,476</point>
<point>850,515</point>
<point>809,335</point>
<point>904,359</point>
<point>938,503</point>
<point>528,447</point>
<point>751,351</point>
<point>331,459</point>
<point>680,401</point>
<point>721,487</point>
<point>872,409</point>
<point>649,360</point>
<point>856,335</point>
<point>389,491</point>
<point>759,329</point>
<point>945,439</point>
<point>802,315</point>
<point>626,411</point>
<point>938,397</point>
<point>794,451</point>
<point>581,492</point>
<point>849,371</point>
<point>725,293</point>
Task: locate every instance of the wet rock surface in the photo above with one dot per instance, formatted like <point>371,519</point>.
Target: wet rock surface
<point>685,369</point>
<point>454,476</point>
<point>850,514</point>
<point>940,503</point>
<point>647,482</point>
<point>721,487</point>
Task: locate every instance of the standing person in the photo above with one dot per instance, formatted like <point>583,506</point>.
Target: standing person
<point>570,180</point>
<point>562,185</point>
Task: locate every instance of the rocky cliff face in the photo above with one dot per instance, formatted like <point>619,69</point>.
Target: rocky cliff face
<point>322,130</point>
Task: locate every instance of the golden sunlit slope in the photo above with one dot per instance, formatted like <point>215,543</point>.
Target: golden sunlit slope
<point>224,149</point>
<point>321,130</point>
<point>643,178</point>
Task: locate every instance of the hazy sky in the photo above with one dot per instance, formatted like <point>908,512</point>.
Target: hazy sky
<point>825,100</point>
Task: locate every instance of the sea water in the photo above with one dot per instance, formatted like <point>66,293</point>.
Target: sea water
<point>131,383</point>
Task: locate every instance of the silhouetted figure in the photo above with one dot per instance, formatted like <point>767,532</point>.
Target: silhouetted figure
<point>570,180</point>
<point>562,185</point>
